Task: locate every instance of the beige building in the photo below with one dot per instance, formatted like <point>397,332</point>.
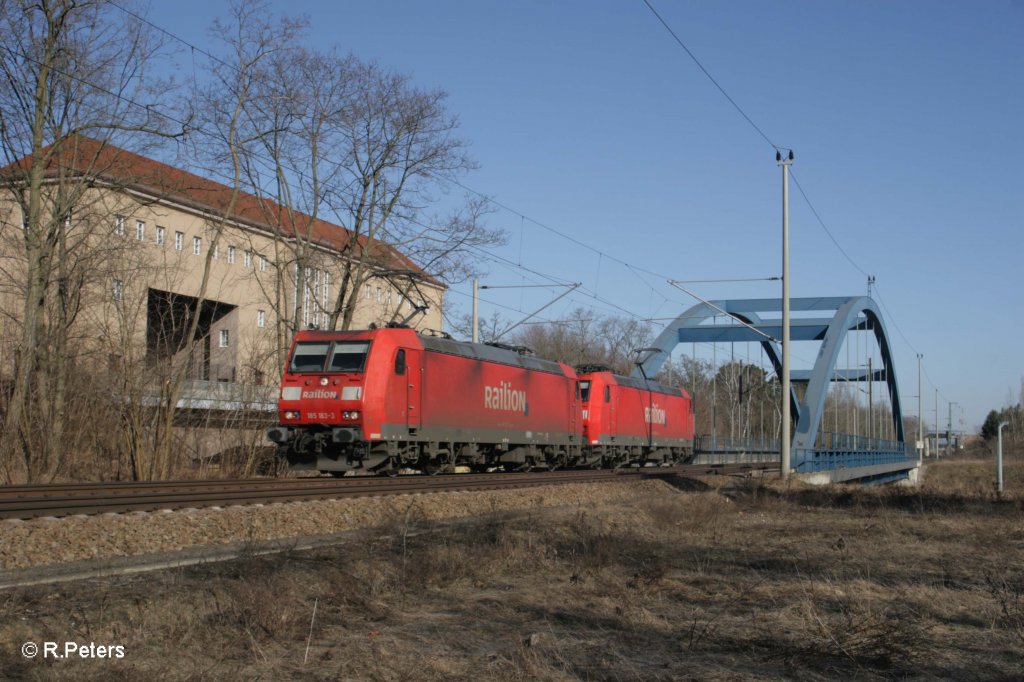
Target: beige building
<point>143,242</point>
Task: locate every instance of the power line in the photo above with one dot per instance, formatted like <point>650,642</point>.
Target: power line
<point>636,270</point>
<point>262,158</point>
<point>712,79</point>
<point>449,180</point>
<point>803,193</point>
<point>825,227</point>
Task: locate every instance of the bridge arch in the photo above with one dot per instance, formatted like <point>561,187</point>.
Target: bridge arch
<point>848,313</point>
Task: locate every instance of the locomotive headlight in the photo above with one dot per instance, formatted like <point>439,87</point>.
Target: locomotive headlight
<point>350,414</point>
<point>291,415</point>
<point>323,381</point>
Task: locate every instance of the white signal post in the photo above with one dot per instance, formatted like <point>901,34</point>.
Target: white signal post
<point>784,163</point>
<point>999,458</point>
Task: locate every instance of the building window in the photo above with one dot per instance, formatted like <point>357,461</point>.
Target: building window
<point>367,292</point>
<point>119,225</point>
<point>179,241</point>
<point>160,235</point>
<point>261,318</point>
<point>117,290</point>
<point>263,263</point>
<point>224,338</point>
<point>247,260</point>
<point>379,297</point>
<point>140,230</point>
<point>197,246</point>
<point>231,255</point>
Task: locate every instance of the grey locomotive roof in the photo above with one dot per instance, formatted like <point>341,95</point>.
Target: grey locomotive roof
<point>649,385</point>
<point>482,351</point>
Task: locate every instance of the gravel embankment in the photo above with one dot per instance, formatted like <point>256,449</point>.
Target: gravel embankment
<point>53,541</point>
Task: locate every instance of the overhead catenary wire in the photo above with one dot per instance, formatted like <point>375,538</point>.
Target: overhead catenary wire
<point>198,129</point>
<point>711,78</point>
<point>523,217</point>
<point>593,294</point>
<point>635,270</point>
<point>490,199</point>
<point>764,136</point>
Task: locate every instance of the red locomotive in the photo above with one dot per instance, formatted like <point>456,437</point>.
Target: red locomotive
<point>384,399</point>
<point>633,420</point>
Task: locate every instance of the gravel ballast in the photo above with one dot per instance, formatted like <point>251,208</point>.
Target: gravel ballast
<point>42,542</point>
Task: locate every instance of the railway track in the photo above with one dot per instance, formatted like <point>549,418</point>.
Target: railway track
<point>66,499</point>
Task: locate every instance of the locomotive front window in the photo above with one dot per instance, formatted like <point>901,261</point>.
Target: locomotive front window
<point>349,356</point>
<point>584,391</point>
<point>309,356</point>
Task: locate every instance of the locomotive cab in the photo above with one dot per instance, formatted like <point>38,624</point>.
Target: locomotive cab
<point>342,394</point>
<point>322,394</point>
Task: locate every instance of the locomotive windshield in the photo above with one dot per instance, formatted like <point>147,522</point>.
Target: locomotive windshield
<point>584,391</point>
<point>345,356</point>
<point>309,357</point>
<point>349,356</point>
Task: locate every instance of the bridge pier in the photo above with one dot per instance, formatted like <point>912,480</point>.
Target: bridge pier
<point>875,474</point>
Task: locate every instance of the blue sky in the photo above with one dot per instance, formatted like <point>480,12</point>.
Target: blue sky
<point>905,117</point>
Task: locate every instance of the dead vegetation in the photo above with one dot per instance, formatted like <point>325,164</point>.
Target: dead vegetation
<point>731,579</point>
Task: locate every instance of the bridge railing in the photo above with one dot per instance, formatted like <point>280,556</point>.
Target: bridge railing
<point>846,442</point>
<point>724,449</point>
<point>844,451</point>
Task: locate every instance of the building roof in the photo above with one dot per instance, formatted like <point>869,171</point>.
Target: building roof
<point>106,162</point>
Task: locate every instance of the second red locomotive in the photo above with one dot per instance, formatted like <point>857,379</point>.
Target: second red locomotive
<point>386,399</point>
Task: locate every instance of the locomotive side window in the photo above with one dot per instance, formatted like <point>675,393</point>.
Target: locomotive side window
<point>349,356</point>
<point>584,388</point>
<point>607,394</point>
<point>400,361</point>
<point>309,357</point>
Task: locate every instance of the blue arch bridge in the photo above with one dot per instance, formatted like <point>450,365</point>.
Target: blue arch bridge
<point>819,453</point>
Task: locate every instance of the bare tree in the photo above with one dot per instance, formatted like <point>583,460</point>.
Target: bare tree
<point>400,148</point>
<point>280,140</point>
<point>328,138</point>
<point>67,69</point>
<point>229,124</point>
<point>584,338</point>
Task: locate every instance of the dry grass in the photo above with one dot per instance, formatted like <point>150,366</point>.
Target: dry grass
<point>730,579</point>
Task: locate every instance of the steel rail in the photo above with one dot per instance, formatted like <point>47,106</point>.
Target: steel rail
<point>34,501</point>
